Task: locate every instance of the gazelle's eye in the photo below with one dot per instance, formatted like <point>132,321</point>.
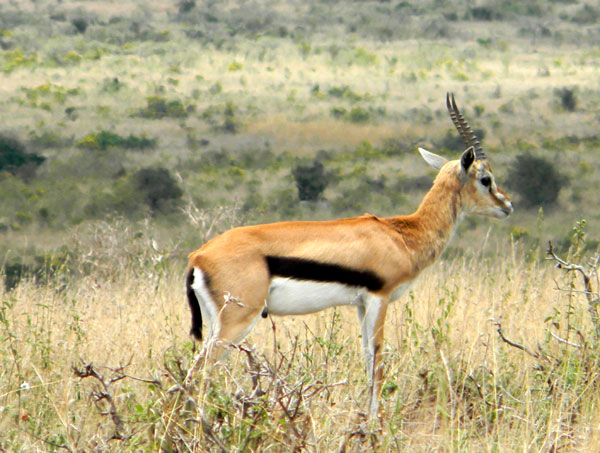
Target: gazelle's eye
<point>486,181</point>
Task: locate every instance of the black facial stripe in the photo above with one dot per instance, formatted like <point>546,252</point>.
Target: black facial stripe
<point>303,269</point>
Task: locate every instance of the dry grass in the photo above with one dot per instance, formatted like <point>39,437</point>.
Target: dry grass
<point>452,383</point>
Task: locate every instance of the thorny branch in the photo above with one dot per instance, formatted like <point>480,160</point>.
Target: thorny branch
<point>88,370</point>
<point>592,296</point>
<point>104,393</point>
<point>536,355</point>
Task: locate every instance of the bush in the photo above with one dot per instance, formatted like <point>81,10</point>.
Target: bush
<point>158,107</point>
<point>80,24</point>
<point>311,180</point>
<point>14,158</point>
<point>230,123</point>
<point>104,140</point>
<point>535,180</point>
<point>358,115</point>
<point>158,188</point>
<point>185,6</point>
<point>568,98</point>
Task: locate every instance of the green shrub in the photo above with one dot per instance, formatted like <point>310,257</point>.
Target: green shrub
<point>230,124</point>
<point>158,188</point>
<point>111,84</point>
<point>567,97</point>
<point>13,59</point>
<point>80,24</point>
<point>104,140</point>
<point>344,92</point>
<point>535,180</point>
<point>359,115</point>
<point>586,14</point>
<point>185,6</point>
<point>158,107</point>
<point>49,139</point>
<point>362,57</point>
<point>14,158</point>
<point>311,180</point>
<point>338,112</point>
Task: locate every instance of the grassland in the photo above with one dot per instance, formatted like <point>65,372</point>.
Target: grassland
<point>228,98</point>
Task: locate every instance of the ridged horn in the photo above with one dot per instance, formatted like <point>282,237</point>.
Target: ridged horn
<point>468,136</point>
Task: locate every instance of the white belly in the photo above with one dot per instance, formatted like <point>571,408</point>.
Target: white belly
<point>399,291</point>
<point>298,297</point>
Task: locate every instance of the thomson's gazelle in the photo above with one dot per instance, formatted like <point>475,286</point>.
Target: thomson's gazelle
<point>303,267</point>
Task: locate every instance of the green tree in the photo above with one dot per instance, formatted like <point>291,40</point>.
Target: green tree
<point>158,188</point>
<point>535,180</point>
<point>311,180</point>
<point>16,160</point>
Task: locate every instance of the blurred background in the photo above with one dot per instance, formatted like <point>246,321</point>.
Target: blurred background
<point>185,118</point>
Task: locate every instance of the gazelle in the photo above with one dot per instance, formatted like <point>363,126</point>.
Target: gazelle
<point>293,268</point>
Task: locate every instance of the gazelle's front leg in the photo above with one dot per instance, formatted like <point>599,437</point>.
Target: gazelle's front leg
<point>371,314</point>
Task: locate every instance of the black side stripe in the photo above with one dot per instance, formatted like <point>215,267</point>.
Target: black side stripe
<point>303,269</point>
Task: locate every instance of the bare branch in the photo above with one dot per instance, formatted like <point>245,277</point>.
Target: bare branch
<point>516,345</point>
<point>562,340</point>
<point>592,296</point>
<point>88,370</point>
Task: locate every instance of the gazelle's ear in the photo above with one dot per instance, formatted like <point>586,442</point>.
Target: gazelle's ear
<point>467,158</point>
<point>434,160</point>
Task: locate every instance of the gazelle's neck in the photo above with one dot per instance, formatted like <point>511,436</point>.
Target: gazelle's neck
<point>427,231</point>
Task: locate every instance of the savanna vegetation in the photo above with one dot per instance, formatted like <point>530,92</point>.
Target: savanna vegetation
<point>133,131</point>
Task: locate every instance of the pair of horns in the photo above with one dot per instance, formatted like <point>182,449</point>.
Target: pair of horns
<point>468,136</point>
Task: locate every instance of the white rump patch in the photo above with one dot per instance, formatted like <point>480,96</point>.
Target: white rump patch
<point>288,296</point>
<point>207,306</point>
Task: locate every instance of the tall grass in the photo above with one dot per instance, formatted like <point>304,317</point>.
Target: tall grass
<point>100,362</point>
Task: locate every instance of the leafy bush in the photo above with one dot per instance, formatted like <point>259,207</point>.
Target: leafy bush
<point>587,14</point>
<point>535,180</point>
<point>359,115</point>
<point>311,180</point>
<point>567,97</point>
<point>80,24</point>
<point>230,124</point>
<point>338,112</point>
<point>15,159</point>
<point>185,6</point>
<point>158,107</point>
<point>158,188</point>
<point>48,139</point>
<point>104,140</point>
<point>14,59</point>
<point>344,92</point>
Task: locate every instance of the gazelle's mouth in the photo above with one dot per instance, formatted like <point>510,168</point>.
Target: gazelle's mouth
<point>508,210</point>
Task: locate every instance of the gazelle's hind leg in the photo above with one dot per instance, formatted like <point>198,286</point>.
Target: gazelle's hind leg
<point>371,315</point>
<point>234,323</point>
<point>230,309</point>
<point>232,295</point>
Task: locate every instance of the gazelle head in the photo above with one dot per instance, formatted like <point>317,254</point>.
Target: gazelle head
<point>477,187</point>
